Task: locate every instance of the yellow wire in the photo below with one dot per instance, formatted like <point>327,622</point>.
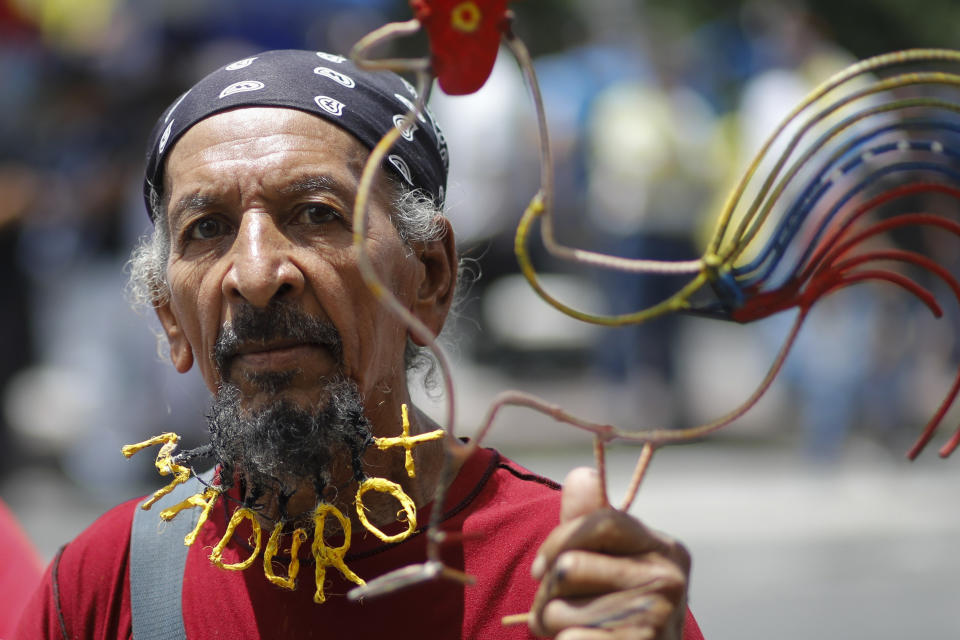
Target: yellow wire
<point>735,250</point>
<point>741,236</point>
<point>866,66</point>
<point>676,302</point>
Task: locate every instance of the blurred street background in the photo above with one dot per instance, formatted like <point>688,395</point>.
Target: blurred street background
<point>804,518</point>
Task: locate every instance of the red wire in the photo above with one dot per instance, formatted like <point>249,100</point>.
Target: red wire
<point>926,263</point>
<point>828,272</point>
<point>870,204</point>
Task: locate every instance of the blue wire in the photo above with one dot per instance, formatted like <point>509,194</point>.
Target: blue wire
<point>729,288</point>
<point>791,222</point>
<point>859,187</point>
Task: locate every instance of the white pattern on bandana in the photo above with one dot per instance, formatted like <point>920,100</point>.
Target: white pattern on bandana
<point>330,105</point>
<point>400,122</point>
<point>240,64</point>
<point>241,87</point>
<point>329,57</point>
<point>175,105</point>
<point>409,105</point>
<point>165,137</point>
<point>336,76</point>
<point>401,166</point>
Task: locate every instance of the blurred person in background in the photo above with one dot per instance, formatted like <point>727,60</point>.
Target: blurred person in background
<point>651,170</point>
<point>19,186</point>
<point>251,272</point>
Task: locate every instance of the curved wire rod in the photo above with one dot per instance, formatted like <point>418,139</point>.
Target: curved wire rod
<point>951,445</point>
<point>654,437</point>
<point>639,471</point>
<point>836,282</point>
<point>752,286</point>
<point>889,196</point>
<point>600,459</point>
<point>925,263</point>
<point>545,195</point>
<point>807,285</point>
<point>677,302</point>
<point>751,222</point>
<point>825,177</point>
<point>384,34</point>
<point>829,218</point>
<point>896,222</point>
<point>370,276</point>
<point>415,326</point>
<point>869,65</point>
<point>711,266</point>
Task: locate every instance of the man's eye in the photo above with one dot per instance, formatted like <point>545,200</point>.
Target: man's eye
<point>206,228</point>
<point>317,214</point>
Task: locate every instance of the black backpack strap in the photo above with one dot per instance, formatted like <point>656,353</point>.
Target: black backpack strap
<point>157,560</point>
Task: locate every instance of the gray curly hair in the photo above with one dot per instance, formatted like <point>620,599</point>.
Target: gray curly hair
<point>415,216</point>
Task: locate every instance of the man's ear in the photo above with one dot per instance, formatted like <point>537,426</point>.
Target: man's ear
<point>181,354</point>
<point>435,294</point>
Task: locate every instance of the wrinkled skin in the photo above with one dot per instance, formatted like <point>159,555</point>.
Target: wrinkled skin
<point>259,204</point>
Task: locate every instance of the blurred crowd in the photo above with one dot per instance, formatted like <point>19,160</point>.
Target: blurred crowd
<point>650,124</point>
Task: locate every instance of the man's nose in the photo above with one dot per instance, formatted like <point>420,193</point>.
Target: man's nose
<point>261,267</point>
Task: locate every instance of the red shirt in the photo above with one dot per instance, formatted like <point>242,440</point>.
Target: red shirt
<point>20,571</point>
<point>502,511</point>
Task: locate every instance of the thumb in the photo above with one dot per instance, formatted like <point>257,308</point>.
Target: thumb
<point>581,494</point>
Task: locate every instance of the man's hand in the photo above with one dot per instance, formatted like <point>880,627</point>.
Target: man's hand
<point>604,575</point>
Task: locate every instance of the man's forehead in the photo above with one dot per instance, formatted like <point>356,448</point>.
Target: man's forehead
<point>284,147</point>
<point>258,125</point>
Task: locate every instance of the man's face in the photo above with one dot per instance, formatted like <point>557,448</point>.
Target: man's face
<point>260,212</point>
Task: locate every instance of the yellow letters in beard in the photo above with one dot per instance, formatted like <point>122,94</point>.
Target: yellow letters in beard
<point>326,556</point>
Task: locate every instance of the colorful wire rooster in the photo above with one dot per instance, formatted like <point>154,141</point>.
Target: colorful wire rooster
<point>810,216</point>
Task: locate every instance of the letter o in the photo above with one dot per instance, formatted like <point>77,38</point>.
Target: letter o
<point>386,486</point>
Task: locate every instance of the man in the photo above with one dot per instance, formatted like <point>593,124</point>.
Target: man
<point>251,181</point>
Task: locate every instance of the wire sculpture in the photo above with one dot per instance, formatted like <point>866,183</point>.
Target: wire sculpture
<point>801,224</point>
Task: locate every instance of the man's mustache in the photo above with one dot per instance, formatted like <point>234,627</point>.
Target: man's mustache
<point>279,321</point>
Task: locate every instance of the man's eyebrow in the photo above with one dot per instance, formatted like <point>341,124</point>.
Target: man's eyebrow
<point>195,201</point>
<point>310,184</point>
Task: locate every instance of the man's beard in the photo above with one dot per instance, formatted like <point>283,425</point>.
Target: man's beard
<point>277,447</point>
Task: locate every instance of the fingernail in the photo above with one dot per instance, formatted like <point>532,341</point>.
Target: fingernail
<point>536,569</point>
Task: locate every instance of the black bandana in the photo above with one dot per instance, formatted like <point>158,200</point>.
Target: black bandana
<point>365,104</point>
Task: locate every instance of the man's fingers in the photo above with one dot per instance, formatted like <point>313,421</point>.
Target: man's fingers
<point>585,589</point>
<point>606,531</point>
<point>584,573</point>
<point>604,634</point>
<point>581,494</point>
<point>635,609</point>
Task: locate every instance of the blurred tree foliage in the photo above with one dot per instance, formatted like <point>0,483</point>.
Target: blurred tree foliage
<point>864,27</point>
<point>547,26</point>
